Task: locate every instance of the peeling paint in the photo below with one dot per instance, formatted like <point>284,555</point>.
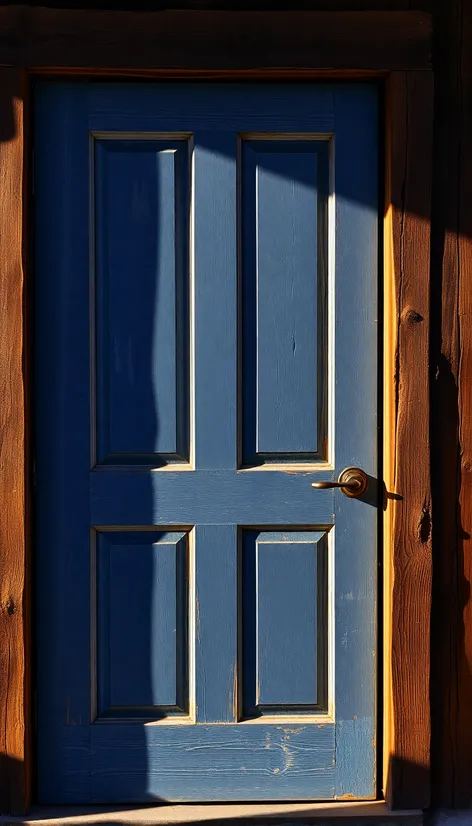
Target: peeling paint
<point>291,730</point>
<point>288,756</point>
<point>234,705</point>
<point>197,618</point>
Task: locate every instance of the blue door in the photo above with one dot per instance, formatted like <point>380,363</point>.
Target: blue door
<point>206,350</point>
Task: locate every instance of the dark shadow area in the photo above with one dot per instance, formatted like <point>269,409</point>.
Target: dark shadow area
<point>7,120</point>
<point>451,678</point>
<point>243,5</point>
<point>136,583</point>
<point>133,585</point>
<point>451,628</point>
<point>12,784</point>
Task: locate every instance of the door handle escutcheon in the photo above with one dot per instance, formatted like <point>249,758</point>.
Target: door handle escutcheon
<point>352,481</point>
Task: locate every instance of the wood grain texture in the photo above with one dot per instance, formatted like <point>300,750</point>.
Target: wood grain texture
<point>410,109</point>
<point>204,763</point>
<point>192,40</point>
<point>14,653</point>
<point>452,407</point>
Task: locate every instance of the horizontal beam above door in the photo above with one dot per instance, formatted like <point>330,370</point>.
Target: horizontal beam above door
<point>214,40</point>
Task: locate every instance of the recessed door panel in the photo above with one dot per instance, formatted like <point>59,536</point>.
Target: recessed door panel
<point>284,207</point>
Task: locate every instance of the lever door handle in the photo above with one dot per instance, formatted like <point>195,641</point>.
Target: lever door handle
<point>351,480</point>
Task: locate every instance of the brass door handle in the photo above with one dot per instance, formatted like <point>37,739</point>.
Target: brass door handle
<point>351,480</point>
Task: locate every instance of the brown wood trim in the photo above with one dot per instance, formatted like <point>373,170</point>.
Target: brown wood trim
<point>408,517</point>
<point>199,40</point>
<point>15,651</point>
<point>241,75</point>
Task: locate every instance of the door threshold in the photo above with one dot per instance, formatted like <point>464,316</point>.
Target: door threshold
<point>184,813</point>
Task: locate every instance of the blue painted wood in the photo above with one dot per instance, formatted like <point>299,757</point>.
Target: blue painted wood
<point>234,108</point>
<point>216,623</point>
<point>282,621</point>
<point>284,277</point>
<point>141,231</point>
<point>209,497</point>
<point>222,756</point>
<point>200,763</point>
<point>215,300</point>
<point>142,654</point>
<point>356,530</point>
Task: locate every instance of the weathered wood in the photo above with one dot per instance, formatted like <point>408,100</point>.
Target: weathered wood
<point>40,37</point>
<point>408,563</point>
<point>52,46</point>
<point>452,406</point>
<point>14,652</point>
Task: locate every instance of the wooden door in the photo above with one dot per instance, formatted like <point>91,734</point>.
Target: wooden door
<point>206,349</point>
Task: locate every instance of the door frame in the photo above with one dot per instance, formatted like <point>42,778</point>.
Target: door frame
<point>394,50</point>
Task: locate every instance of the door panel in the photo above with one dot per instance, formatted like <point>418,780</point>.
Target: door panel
<point>284,325</point>
<point>142,657</point>
<point>206,348</point>
<point>141,208</point>
<point>284,615</point>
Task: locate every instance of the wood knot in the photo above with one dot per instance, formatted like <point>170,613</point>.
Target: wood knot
<point>424,527</point>
<point>411,316</point>
<point>8,606</point>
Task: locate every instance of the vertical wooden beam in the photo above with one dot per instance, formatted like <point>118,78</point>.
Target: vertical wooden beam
<point>14,653</point>
<point>452,408</point>
<point>408,517</point>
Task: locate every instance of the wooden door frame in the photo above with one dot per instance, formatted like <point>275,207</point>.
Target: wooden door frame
<point>393,48</point>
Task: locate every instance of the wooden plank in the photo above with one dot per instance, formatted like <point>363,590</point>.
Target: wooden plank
<point>408,512</point>
<point>452,406</point>
<point>187,39</point>
<point>250,762</point>
<point>14,632</point>
<point>356,204</point>
<point>131,497</point>
<point>216,630</point>
<point>390,330</point>
<point>215,274</point>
